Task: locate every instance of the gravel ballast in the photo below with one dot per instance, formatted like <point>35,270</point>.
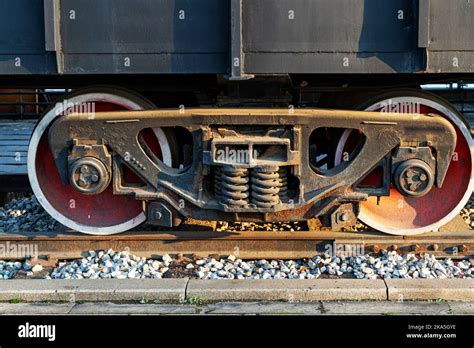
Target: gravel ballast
<point>25,215</point>
<point>123,265</point>
<point>388,265</point>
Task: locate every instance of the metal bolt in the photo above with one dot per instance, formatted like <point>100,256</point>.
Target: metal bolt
<point>344,217</point>
<point>158,215</point>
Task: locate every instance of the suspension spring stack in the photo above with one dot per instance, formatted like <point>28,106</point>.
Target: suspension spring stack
<point>235,186</point>
<point>218,182</point>
<point>265,187</point>
<point>283,183</point>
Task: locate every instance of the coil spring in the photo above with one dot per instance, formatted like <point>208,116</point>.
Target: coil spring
<point>283,184</point>
<point>265,187</point>
<point>235,188</point>
<point>218,182</point>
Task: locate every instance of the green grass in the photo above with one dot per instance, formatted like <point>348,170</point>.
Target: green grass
<point>195,300</point>
<point>438,300</point>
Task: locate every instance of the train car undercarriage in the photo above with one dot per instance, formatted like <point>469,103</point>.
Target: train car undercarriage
<point>105,160</point>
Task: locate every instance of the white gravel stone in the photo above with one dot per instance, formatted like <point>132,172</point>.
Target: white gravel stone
<point>37,268</point>
<point>8,269</point>
<point>155,264</point>
<point>109,263</point>
<point>368,270</point>
<point>167,258</point>
<point>389,265</point>
<point>121,265</point>
<point>219,265</point>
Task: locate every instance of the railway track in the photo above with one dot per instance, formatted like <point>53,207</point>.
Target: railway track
<point>453,240</point>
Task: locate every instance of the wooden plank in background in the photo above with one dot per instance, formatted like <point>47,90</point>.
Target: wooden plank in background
<point>15,136</point>
<point>6,169</point>
<point>13,160</point>
<point>12,153</point>
<point>13,148</point>
<point>14,142</point>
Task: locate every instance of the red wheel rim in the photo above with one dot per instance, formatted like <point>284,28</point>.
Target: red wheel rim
<point>103,213</point>
<point>398,214</point>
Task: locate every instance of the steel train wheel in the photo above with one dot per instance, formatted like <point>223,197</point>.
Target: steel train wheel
<point>401,215</point>
<point>99,214</point>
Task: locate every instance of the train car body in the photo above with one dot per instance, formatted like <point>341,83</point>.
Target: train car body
<point>212,79</point>
<point>236,37</point>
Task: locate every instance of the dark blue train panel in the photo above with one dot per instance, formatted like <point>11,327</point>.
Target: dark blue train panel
<point>22,39</point>
<point>337,36</point>
<point>145,36</point>
<point>237,37</point>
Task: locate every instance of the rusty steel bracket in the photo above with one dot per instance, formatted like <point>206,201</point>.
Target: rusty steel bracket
<point>118,131</point>
<point>345,215</point>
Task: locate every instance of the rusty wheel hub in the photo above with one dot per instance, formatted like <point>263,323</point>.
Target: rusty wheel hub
<point>414,178</point>
<point>89,176</point>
